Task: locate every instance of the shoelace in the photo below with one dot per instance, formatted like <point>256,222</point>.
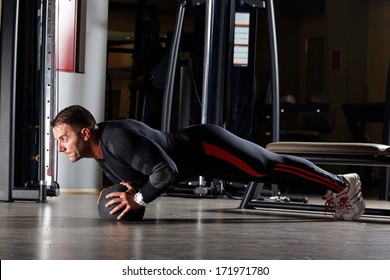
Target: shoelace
<point>329,206</point>
<point>344,204</point>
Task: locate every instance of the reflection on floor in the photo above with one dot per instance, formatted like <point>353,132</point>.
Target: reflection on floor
<point>68,228</point>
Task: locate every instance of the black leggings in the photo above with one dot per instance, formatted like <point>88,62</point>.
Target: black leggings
<point>219,154</point>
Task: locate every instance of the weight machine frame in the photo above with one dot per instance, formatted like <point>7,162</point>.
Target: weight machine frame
<point>207,81</point>
<point>44,183</point>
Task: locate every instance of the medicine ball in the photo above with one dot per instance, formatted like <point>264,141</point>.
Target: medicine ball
<point>104,212</point>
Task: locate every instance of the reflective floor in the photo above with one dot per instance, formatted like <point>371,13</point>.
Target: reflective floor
<point>68,228</point>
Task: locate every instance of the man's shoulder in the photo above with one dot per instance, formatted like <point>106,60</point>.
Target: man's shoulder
<point>123,124</point>
<point>117,129</point>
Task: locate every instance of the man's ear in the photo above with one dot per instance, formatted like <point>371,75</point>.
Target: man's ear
<point>85,134</point>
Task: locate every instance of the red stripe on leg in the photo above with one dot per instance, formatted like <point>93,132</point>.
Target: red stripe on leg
<point>217,152</point>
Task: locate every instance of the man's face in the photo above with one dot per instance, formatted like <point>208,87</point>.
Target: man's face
<point>70,142</point>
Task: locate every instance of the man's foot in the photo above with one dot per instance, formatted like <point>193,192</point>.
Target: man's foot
<point>349,203</point>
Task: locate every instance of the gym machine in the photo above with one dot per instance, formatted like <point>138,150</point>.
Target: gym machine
<point>227,83</point>
<point>228,73</point>
<point>28,101</point>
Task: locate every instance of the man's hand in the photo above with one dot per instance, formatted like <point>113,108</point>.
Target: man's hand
<point>125,200</point>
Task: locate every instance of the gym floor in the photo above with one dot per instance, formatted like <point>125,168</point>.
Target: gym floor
<point>185,228</point>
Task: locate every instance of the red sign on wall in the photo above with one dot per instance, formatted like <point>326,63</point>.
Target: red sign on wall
<point>67,35</point>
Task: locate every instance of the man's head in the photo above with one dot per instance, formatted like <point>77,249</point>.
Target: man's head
<point>75,116</point>
<point>72,128</point>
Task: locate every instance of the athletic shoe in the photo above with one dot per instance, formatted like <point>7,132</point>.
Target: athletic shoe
<point>349,203</point>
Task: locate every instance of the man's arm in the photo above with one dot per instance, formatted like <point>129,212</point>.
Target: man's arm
<point>145,156</point>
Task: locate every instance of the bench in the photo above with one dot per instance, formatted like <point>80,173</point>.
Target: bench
<point>341,153</point>
<point>337,153</point>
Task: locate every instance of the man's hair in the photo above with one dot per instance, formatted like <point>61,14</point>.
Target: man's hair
<point>75,116</point>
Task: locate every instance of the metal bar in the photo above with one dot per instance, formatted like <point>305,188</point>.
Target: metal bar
<point>275,71</point>
<point>249,194</point>
<point>9,41</point>
<point>385,172</point>
<point>206,67</point>
<point>48,101</point>
<point>170,80</point>
<point>207,59</point>
<point>309,207</point>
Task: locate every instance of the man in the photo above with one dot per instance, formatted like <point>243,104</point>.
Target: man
<point>148,161</point>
